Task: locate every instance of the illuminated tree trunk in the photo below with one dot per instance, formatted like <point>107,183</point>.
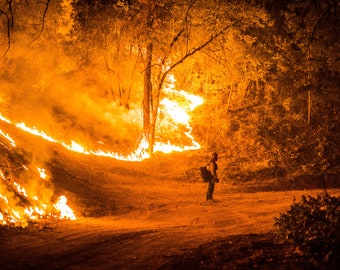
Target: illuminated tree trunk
<point>309,100</point>
<point>309,107</point>
<point>147,100</point>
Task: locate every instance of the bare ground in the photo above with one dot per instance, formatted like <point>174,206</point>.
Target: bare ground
<point>146,215</point>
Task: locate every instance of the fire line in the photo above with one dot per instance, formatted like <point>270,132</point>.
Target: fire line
<point>172,109</point>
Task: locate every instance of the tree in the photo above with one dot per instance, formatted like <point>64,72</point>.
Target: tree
<point>8,11</point>
<point>308,44</point>
<point>193,27</point>
<point>157,38</point>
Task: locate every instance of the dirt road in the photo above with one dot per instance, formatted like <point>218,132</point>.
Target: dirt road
<point>135,221</point>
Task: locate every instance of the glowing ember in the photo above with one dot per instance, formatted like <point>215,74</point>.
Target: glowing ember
<point>21,190</point>
<point>7,137</point>
<point>34,213</point>
<point>65,211</point>
<point>42,173</point>
<point>13,213</point>
<point>4,198</point>
<point>2,175</point>
<point>4,119</point>
<point>76,147</point>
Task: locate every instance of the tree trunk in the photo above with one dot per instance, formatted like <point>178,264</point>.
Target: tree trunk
<point>309,107</point>
<point>147,99</point>
<point>229,98</point>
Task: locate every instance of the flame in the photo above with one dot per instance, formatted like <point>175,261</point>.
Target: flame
<point>4,119</point>
<point>34,212</point>
<point>4,198</point>
<point>18,216</point>
<point>76,147</point>
<point>175,112</point>
<point>2,175</point>
<point>29,207</point>
<point>42,173</point>
<point>20,189</point>
<point>7,137</point>
<point>174,108</point>
<point>65,211</point>
<point>35,131</point>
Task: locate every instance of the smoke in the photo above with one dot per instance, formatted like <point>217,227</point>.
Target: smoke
<point>47,91</point>
<point>45,88</point>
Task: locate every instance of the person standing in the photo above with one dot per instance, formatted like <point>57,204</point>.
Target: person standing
<point>212,166</point>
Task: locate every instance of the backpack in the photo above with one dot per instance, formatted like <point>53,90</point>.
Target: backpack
<point>205,174</point>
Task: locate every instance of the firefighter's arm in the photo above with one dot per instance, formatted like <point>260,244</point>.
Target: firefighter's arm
<point>212,169</point>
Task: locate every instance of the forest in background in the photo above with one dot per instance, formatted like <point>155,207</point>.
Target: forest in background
<point>268,72</point>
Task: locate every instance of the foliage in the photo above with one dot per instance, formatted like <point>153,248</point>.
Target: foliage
<point>261,117</point>
<point>257,77</point>
<point>313,225</point>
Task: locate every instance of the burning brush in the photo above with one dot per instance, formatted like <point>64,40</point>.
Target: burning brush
<point>18,206</point>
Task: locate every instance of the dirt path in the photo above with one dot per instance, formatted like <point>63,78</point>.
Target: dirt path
<point>142,215</point>
<point>155,222</point>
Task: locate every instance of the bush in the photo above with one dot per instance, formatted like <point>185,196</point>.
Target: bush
<point>313,225</point>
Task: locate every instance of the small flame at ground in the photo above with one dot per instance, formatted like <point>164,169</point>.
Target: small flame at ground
<point>21,190</point>
<point>6,136</point>
<point>42,173</point>
<point>65,211</point>
<point>20,207</point>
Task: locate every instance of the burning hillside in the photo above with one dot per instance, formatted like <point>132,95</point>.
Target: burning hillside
<point>25,195</point>
<point>24,182</point>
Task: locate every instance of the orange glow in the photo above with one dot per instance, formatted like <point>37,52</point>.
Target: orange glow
<point>175,109</point>
<point>34,131</point>
<point>19,206</point>
<point>2,175</point>
<point>4,119</point>
<point>7,137</point>
<point>65,211</point>
<point>13,213</point>
<point>21,190</point>
<point>42,173</point>
<point>74,146</point>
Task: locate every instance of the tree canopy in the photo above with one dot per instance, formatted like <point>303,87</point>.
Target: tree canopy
<point>268,71</point>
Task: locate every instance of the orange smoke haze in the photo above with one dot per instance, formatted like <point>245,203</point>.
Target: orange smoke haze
<point>43,94</point>
<point>47,91</point>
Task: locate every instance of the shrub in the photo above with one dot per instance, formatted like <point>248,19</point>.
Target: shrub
<point>313,225</point>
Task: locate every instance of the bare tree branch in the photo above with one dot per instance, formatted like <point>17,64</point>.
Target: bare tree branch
<point>195,50</point>
<point>11,12</point>
<point>181,31</point>
<point>190,53</point>
<point>43,20</point>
